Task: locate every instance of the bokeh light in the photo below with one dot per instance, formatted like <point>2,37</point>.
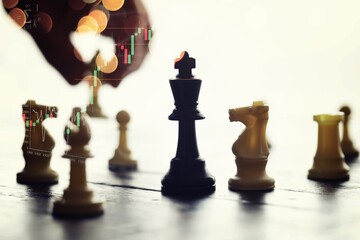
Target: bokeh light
<point>10,3</point>
<point>91,79</point>
<point>89,1</point>
<point>18,16</point>
<point>113,5</point>
<point>100,18</point>
<point>107,62</point>
<point>87,24</point>
<point>76,4</point>
<point>44,22</point>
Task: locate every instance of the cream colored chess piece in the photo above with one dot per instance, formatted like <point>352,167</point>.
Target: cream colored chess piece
<point>37,146</point>
<point>329,161</point>
<point>251,149</point>
<point>122,158</point>
<point>346,143</point>
<point>78,200</point>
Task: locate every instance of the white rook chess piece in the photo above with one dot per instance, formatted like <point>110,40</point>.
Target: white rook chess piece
<point>78,200</point>
<point>251,149</point>
<point>329,161</point>
<point>122,158</point>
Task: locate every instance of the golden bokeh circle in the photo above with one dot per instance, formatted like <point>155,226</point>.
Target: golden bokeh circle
<point>105,65</point>
<point>87,24</point>
<point>18,16</point>
<point>101,19</point>
<point>113,5</point>
<point>10,3</point>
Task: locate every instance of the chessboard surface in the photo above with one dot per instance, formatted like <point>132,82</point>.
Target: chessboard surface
<point>135,208</point>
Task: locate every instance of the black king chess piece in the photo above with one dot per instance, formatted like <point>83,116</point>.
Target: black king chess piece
<point>188,174</point>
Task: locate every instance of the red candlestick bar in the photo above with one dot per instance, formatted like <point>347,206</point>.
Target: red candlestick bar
<point>146,34</point>
<point>125,56</point>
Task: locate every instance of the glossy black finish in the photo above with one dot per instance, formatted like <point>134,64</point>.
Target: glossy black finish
<point>188,174</point>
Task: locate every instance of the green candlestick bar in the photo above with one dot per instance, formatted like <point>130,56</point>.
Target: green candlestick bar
<point>129,59</point>
<point>78,119</point>
<point>149,34</point>
<point>139,30</point>
<point>91,95</point>
<point>132,45</point>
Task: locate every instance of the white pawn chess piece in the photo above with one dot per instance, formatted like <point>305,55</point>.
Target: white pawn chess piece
<point>329,161</point>
<point>251,149</point>
<point>122,158</point>
<point>78,199</point>
<point>347,145</point>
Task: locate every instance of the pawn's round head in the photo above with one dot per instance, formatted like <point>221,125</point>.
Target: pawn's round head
<point>346,110</point>
<point>123,117</point>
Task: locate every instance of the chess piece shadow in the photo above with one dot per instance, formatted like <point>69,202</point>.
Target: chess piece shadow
<point>41,196</point>
<point>253,202</point>
<point>329,164</point>
<point>37,146</point>
<point>329,187</point>
<point>188,174</point>
<point>251,149</point>
<point>347,145</point>
<point>78,200</point>
<point>253,197</point>
<point>122,160</point>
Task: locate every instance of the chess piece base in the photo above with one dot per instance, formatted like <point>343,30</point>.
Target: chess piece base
<point>329,169</point>
<point>65,209</point>
<point>349,151</point>
<point>251,176</point>
<point>94,110</point>
<point>187,177</point>
<point>259,184</point>
<point>122,162</point>
<point>48,177</point>
<point>77,203</point>
<point>316,174</point>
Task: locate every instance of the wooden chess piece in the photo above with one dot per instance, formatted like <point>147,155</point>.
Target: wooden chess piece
<point>188,174</point>
<point>93,109</point>
<point>38,145</point>
<point>251,149</point>
<point>346,143</point>
<point>329,161</point>
<point>78,200</point>
<point>122,158</point>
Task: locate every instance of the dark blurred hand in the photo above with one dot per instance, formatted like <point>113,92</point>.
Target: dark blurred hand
<point>51,22</point>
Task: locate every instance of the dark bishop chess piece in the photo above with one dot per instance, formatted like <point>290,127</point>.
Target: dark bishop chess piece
<point>346,143</point>
<point>188,174</point>
<point>78,200</point>
<point>38,145</point>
